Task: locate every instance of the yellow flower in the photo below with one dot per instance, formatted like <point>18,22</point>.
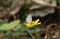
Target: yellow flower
<point>33,23</point>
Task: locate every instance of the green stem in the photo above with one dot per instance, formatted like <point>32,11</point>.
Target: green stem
<point>30,33</point>
<point>36,34</point>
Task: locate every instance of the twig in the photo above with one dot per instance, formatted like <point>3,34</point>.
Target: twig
<point>50,26</point>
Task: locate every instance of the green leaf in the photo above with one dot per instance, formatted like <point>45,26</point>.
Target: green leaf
<point>9,1</point>
<point>22,28</point>
<point>9,26</point>
<point>37,30</point>
<point>16,34</point>
<point>1,23</point>
<point>18,26</point>
<point>8,33</point>
<point>58,1</point>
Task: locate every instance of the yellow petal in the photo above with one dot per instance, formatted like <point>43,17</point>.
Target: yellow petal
<point>33,23</point>
<point>39,23</point>
<point>29,24</point>
<point>37,20</point>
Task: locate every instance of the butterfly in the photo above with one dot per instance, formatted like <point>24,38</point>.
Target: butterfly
<point>29,18</point>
